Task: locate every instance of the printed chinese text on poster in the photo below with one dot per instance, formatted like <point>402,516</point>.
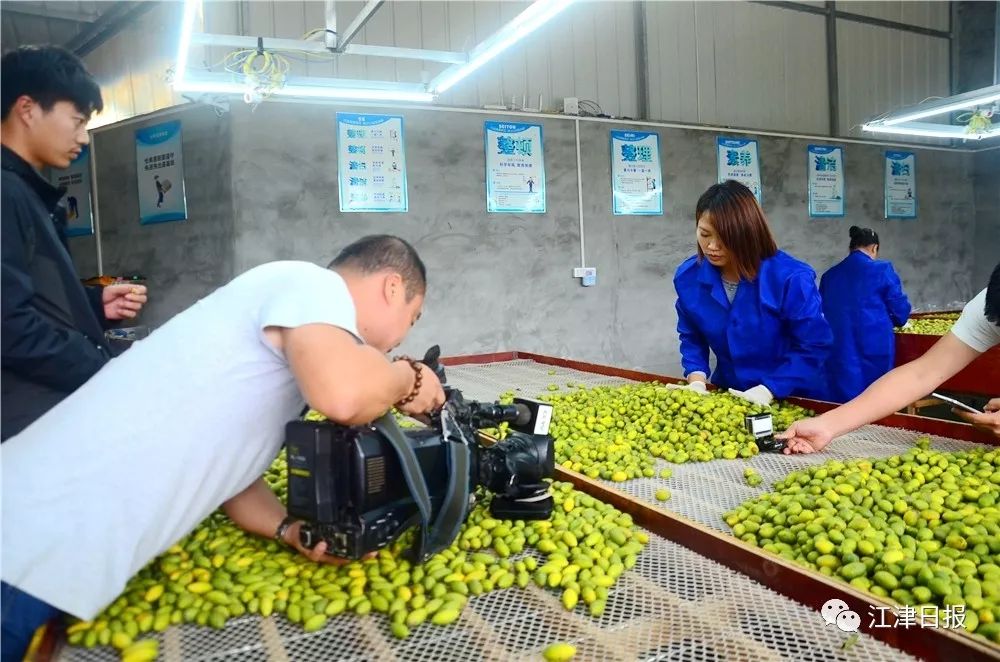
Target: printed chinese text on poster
<point>160,173</point>
<point>515,168</point>
<point>371,163</point>
<point>739,159</point>
<point>900,185</point>
<point>636,175</point>
<point>826,180</point>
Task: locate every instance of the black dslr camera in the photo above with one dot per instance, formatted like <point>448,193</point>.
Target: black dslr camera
<point>359,488</point>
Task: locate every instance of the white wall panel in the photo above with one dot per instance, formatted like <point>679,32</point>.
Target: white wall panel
<point>132,67</point>
<point>588,51</point>
<point>737,64</point>
<point>727,63</point>
<point>934,15</point>
<point>881,69</point>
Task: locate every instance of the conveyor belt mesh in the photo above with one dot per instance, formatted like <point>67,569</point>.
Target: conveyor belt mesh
<point>674,605</point>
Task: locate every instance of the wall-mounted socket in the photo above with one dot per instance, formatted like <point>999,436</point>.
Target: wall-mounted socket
<point>588,275</point>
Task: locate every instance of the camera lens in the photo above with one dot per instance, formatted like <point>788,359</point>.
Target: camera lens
<point>515,463</point>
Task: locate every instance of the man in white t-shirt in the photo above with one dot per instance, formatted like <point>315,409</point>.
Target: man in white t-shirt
<point>93,492</point>
<point>977,330</point>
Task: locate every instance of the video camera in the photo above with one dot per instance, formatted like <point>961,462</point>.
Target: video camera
<point>360,488</point>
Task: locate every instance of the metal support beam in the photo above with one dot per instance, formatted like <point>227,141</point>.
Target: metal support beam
<point>222,81</point>
<point>953,48</point>
<point>330,36</point>
<point>832,69</point>
<point>359,21</point>
<point>241,41</point>
<point>857,18</point>
<point>895,25</point>
<point>108,25</point>
<point>641,62</point>
<point>794,6</point>
<point>49,12</point>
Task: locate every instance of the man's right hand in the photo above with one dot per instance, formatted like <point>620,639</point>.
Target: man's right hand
<point>810,435</point>
<point>318,553</point>
<point>429,398</point>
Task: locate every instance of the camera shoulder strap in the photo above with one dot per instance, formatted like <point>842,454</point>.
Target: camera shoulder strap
<point>411,472</point>
<point>456,500</point>
<point>436,532</point>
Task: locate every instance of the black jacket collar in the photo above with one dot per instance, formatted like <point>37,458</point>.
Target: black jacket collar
<point>49,194</point>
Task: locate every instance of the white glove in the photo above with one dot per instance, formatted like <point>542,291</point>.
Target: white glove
<point>759,395</point>
<point>697,387</point>
<point>908,325</point>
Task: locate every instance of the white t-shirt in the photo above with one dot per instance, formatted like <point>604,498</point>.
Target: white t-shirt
<point>973,328</point>
<point>159,438</point>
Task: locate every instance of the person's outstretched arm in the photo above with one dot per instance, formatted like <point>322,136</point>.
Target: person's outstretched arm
<point>896,389</point>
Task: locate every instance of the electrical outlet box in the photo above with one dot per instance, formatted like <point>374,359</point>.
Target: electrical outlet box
<point>571,106</point>
<point>579,271</point>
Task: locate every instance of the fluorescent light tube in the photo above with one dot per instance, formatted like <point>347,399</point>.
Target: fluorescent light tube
<point>324,92</point>
<point>521,26</point>
<point>313,91</point>
<point>931,131</point>
<point>987,96</point>
<point>211,86</point>
<point>191,8</point>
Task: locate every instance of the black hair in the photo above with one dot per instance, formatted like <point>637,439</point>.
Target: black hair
<point>48,74</point>
<point>861,237</point>
<point>993,296</point>
<point>381,252</point>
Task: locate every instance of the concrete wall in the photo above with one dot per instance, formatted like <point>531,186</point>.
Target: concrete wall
<point>182,261</point>
<point>500,281</point>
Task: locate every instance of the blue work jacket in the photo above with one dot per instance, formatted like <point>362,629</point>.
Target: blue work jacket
<point>773,333</point>
<point>863,300</point>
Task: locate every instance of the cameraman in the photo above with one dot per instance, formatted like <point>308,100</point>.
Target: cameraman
<point>225,375</point>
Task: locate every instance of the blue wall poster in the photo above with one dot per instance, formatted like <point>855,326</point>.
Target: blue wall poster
<point>738,159</point>
<point>826,180</point>
<point>75,179</point>
<point>159,167</point>
<point>636,175</point>
<point>515,168</point>
<point>900,185</point>
<point>371,163</point>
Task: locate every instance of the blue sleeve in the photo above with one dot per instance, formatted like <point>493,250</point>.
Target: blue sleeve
<point>810,338</point>
<point>895,298</point>
<point>694,345</point>
<point>33,347</point>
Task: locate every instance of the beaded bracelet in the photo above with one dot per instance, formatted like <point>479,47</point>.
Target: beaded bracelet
<point>417,382</point>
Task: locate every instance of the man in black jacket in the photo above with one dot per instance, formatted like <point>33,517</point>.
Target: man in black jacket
<point>52,327</point>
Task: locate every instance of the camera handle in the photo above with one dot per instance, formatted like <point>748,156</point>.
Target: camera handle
<point>435,533</point>
<point>432,360</point>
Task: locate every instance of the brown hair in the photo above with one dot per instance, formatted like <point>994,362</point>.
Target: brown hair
<point>740,223</point>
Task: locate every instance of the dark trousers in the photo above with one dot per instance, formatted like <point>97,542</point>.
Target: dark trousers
<point>22,614</point>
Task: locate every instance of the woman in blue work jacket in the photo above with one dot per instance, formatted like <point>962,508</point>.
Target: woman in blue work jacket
<point>755,307</point>
<point>862,300</point>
